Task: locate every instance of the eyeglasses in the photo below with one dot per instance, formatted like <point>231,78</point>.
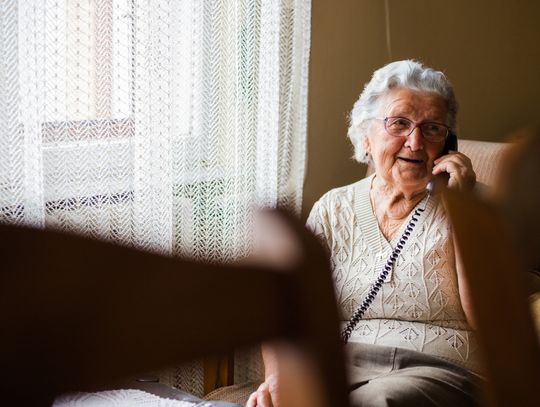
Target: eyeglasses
<point>403,127</point>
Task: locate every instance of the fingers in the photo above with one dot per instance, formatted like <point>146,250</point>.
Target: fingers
<point>265,396</point>
<point>453,157</point>
<point>264,399</point>
<point>273,388</point>
<point>459,168</point>
<point>252,400</point>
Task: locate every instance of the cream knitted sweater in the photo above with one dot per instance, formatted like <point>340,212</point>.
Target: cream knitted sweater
<point>418,306</point>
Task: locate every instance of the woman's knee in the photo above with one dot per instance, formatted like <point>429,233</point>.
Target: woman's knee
<point>407,391</point>
<point>374,394</point>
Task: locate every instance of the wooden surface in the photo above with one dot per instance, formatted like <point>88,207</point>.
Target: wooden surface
<point>499,299</point>
<point>79,314</point>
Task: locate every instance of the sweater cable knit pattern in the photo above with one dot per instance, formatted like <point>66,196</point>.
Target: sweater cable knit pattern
<point>418,306</point>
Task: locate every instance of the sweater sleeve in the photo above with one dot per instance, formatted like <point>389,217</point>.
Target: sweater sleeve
<point>318,223</point>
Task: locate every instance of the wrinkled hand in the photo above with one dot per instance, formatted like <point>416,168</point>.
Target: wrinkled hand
<point>266,395</point>
<point>459,168</point>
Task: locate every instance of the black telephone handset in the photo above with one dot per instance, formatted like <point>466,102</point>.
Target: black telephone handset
<point>441,180</point>
<point>450,145</point>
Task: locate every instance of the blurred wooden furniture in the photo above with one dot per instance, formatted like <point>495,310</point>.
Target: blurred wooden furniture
<point>499,299</point>
<point>499,245</point>
<point>79,314</point>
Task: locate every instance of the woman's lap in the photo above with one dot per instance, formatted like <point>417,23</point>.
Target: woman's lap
<point>388,376</point>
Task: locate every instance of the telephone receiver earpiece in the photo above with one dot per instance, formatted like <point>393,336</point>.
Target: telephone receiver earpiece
<point>450,144</point>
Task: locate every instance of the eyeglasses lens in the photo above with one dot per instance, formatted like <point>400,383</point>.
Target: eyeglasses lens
<point>401,127</point>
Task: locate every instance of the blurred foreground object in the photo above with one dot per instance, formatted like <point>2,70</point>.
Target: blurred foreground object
<point>519,195</point>
<point>498,243</point>
<point>79,314</point>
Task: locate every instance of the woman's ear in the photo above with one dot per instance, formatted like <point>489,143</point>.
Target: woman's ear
<point>366,145</point>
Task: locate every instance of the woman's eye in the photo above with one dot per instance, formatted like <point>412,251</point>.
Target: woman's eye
<point>400,123</point>
<point>431,128</point>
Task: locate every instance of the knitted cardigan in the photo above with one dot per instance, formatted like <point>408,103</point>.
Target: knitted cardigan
<point>418,306</point>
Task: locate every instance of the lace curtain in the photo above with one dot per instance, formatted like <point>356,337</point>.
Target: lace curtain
<point>157,124</point>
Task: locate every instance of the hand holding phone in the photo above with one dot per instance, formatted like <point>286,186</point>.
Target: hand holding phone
<point>453,169</point>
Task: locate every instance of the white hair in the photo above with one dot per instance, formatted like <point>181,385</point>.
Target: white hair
<point>407,74</point>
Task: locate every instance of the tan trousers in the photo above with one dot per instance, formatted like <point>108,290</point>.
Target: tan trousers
<point>389,376</point>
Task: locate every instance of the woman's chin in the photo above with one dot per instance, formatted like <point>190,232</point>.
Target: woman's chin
<point>413,183</point>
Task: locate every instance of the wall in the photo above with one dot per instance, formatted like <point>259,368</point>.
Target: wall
<point>489,49</point>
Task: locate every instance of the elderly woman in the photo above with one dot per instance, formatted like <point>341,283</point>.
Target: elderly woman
<point>399,284</point>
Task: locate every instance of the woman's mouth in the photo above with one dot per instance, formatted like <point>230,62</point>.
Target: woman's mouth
<point>411,160</point>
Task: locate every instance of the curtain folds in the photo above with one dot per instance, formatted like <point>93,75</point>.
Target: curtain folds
<point>158,124</point>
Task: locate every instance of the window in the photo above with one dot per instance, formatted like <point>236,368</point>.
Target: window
<point>153,123</point>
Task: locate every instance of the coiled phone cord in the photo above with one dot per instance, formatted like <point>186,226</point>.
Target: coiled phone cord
<point>376,286</point>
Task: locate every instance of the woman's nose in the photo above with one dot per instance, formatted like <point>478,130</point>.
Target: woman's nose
<point>415,140</point>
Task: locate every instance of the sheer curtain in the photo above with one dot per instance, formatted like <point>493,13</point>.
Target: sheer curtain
<point>154,123</point>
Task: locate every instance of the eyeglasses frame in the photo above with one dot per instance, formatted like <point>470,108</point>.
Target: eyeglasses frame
<point>415,125</point>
